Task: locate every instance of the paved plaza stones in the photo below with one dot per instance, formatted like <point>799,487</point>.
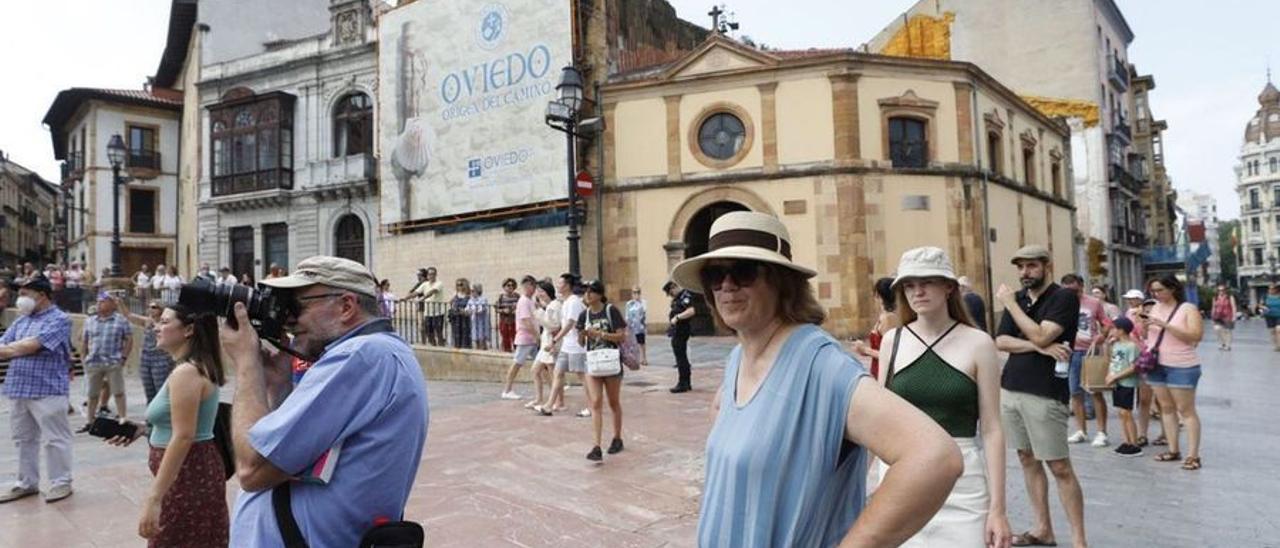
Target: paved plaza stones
<point>494,474</point>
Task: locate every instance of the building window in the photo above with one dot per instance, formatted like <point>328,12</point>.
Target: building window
<point>275,246</point>
<point>1029,165</point>
<point>353,126</point>
<point>1275,196</point>
<point>908,146</point>
<point>1257,256</point>
<point>142,148</point>
<point>252,143</point>
<point>348,237</point>
<point>1255,225</point>
<point>1255,201</point>
<point>721,136</point>
<point>1055,176</point>
<point>994,154</point>
<point>1272,162</point>
<point>142,210</point>
<point>242,251</point>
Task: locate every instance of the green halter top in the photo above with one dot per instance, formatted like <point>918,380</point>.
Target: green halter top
<point>948,396</point>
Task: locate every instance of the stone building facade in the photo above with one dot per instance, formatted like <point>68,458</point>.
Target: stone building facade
<point>861,156</point>
<point>286,151</point>
<point>1067,58</point>
<point>1258,183</point>
<point>30,216</point>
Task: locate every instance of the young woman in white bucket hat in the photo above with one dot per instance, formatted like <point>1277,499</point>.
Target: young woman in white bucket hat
<point>785,461</point>
<point>939,362</point>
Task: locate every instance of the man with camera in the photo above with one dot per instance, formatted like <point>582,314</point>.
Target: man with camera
<point>38,345</point>
<point>321,460</point>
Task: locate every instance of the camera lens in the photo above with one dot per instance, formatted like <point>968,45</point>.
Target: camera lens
<point>267,308</point>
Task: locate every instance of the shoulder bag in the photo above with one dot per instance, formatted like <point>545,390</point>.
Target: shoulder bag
<point>628,349</point>
<point>1149,359</point>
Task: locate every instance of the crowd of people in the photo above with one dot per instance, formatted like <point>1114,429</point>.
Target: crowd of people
<point>898,439</point>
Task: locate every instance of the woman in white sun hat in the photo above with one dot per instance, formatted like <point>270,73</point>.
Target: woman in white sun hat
<point>785,460</point>
<point>939,362</point>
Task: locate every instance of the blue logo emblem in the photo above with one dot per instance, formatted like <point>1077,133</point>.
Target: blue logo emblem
<point>473,168</point>
<point>492,26</point>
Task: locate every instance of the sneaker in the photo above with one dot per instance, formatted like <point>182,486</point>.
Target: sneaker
<point>585,413</point>
<point>15,492</point>
<point>1100,440</point>
<point>595,454</point>
<point>57,493</point>
<point>680,388</point>
<point>510,396</point>
<point>1128,450</point>
<point>1078,437</point>
<point>615,446</point>
<point>84,429</point>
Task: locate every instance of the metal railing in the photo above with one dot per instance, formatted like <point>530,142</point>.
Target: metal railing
<point>1118,73</point>
<point>144,159</point>
<point>447,324</point>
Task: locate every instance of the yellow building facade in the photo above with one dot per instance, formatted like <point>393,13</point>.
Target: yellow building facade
<point>861,156</point>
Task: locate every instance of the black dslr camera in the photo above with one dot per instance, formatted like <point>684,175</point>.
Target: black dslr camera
<point>268,307</point>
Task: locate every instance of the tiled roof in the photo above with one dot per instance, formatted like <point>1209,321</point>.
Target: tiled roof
<point>68,100</point>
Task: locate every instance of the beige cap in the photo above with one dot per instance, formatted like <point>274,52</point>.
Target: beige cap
<point>1031,252</point>
<point>334,272</point>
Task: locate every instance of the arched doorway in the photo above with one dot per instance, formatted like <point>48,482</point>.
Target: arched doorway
<point>696,236</point>
<point>348,238</point>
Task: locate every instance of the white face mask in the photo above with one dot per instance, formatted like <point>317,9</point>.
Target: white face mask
<point>26,305</point>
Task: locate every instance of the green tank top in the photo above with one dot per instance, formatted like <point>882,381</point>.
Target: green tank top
<point>945,394</point>
<point>159,414</point>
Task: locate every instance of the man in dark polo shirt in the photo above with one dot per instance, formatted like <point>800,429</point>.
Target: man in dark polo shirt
<point>1036,330</point>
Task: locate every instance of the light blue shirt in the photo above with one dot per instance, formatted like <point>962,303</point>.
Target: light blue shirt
<point>368,393</point>
<point>778,469</point>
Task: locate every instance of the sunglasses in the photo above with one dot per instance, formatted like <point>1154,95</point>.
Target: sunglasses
<point>744,273</point>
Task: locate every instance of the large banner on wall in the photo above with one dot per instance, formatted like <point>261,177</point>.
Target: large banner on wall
<point>463,91</point>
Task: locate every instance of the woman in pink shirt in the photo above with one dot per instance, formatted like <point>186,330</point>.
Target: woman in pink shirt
<point>1174,329</point>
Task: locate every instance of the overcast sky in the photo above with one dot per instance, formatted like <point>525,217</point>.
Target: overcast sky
<point>1208,59</point>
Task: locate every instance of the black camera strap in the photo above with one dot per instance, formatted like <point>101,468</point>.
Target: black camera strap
<point>281,495</point>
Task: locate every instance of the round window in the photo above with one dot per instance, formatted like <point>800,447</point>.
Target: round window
<point>721,136</point>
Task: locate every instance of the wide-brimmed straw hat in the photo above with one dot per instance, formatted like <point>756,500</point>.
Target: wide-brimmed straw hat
<point>924,262</point>
<point>742,235</point>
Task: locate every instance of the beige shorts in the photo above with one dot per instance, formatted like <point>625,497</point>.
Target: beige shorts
<point>1035,423</point>
<point>113,375</point>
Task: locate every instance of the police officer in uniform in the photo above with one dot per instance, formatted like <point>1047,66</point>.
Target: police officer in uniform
<point>681,312</point>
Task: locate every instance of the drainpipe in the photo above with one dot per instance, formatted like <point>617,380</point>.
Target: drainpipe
<point>986,210</point>
<point>599,182</point>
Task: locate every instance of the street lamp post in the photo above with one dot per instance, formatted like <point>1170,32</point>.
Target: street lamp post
<point>562,115</point>
<point>116,152</point>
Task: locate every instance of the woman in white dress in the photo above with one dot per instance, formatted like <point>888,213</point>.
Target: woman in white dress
<point>548,317</point>
<point>939,362</point>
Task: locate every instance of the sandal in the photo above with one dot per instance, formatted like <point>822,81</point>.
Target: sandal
<point>1168,456</point>
<point>1160,441</point>
<point>1192,463</point>
<point>1028,539</point>
<point>1142,441</point>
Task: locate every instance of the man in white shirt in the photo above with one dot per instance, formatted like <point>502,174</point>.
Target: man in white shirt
<point>572,356</point>
<point>225,277</point>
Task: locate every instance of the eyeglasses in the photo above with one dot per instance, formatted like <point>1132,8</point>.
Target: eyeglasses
<point>744,274</point>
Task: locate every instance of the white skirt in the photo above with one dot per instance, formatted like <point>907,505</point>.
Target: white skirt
<point>962,521</point>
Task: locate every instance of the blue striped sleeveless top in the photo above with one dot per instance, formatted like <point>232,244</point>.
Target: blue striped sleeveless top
<point>778,470</point>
